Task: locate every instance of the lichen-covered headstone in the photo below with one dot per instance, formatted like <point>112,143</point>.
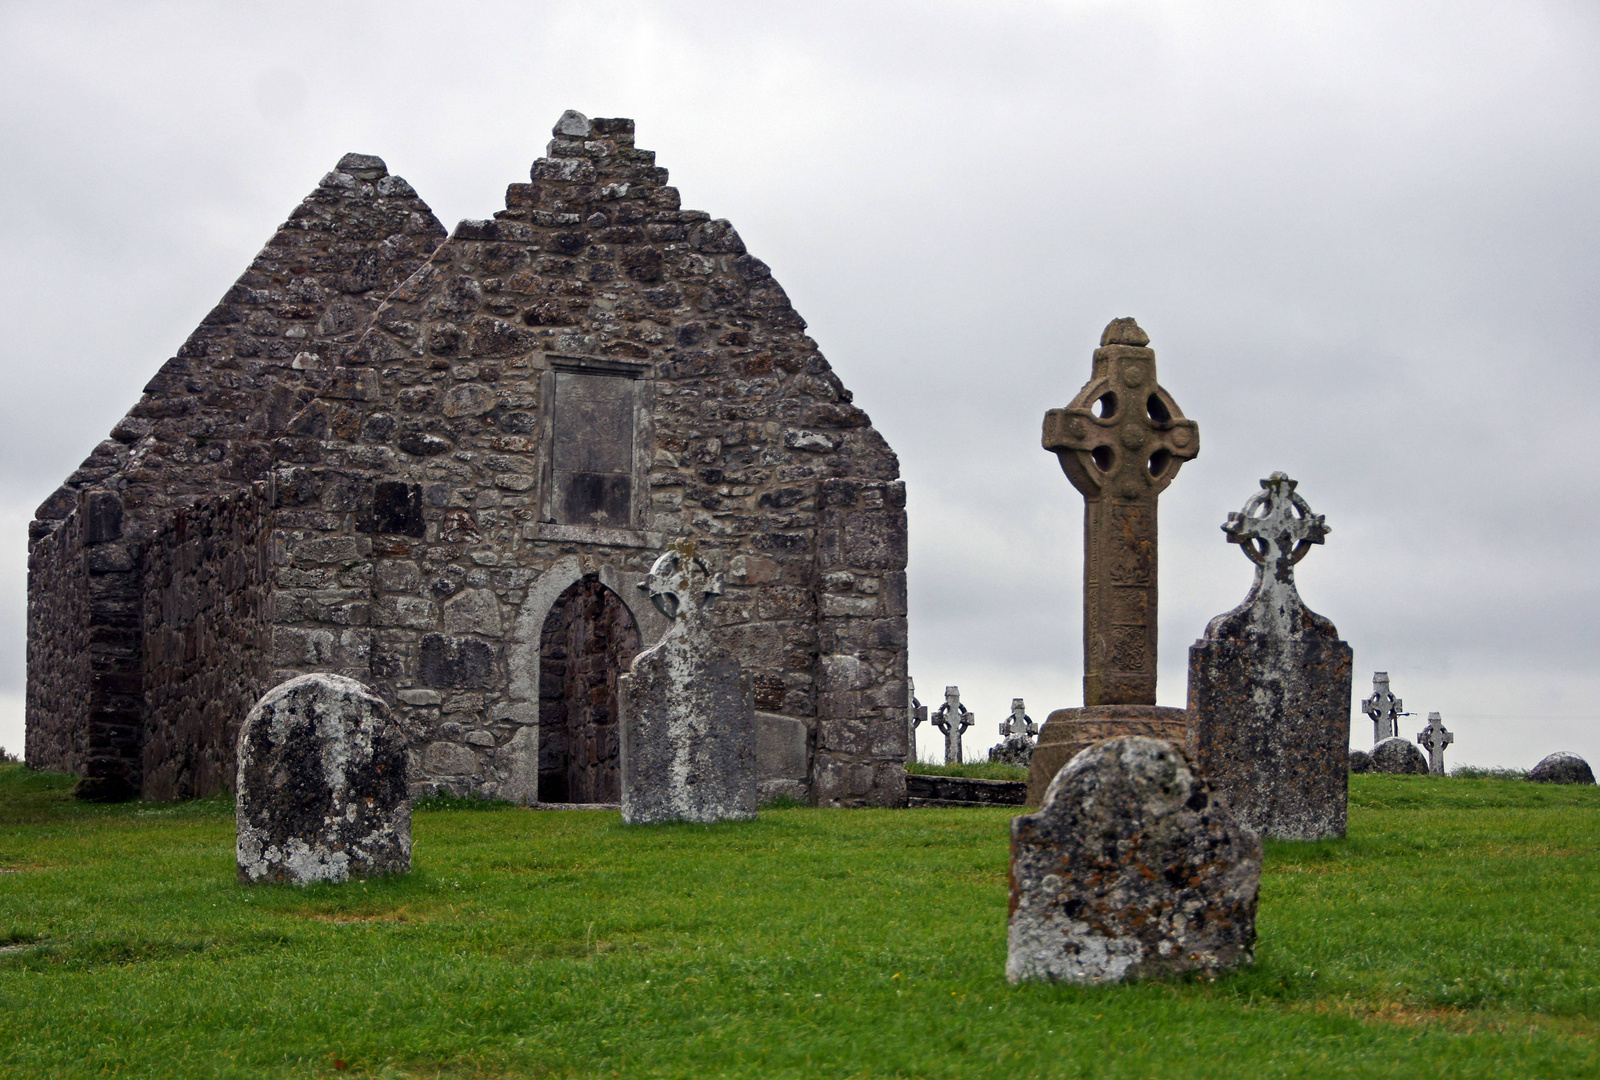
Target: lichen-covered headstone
<point>1269,683</point>
<point>687,709</point>
<point>1399,757</point>
<point>322,792</point>
<point>1131,868</point>
<point>1360,761</point>
<point>1562,767</point>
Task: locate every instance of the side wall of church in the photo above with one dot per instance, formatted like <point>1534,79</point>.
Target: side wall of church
<point>205,616</point>
<point>85,692</point>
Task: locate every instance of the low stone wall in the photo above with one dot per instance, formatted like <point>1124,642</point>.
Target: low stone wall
<point>205,642</point>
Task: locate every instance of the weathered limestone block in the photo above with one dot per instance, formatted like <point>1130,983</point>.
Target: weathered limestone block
<point>1398,756</point>
<point>1132,868</point>
<point>1562,767</point>
<point>1269,684</point>
<point>688,710</point>
<point>1068,732</point>
<point>322,790</point>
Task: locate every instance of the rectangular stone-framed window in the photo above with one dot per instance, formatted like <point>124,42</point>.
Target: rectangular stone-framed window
<point>596,442</point>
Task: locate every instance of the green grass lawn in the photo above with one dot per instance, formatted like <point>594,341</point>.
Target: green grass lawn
<point>1453,934</point>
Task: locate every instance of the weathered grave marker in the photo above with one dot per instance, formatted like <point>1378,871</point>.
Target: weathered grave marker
<point>1269,683</point>
<point>952,720</point>
<point>1561,767</point>
<point>1398,757</point>
<point>321,787</point>
<point>916,713</point>
<point>1383,708</point>
<point>1017,732</point>
<point>1132,867</point>
<point>1120,442</point>
<point>687,709</point>
<point>1434,738</point>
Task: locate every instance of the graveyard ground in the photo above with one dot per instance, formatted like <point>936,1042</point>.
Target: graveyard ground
<point>1452,934</point>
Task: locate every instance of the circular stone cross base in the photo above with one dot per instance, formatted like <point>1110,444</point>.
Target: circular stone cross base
<point>1066,732</point>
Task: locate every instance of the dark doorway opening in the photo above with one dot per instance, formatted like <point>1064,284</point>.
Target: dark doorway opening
<point>589,639</point>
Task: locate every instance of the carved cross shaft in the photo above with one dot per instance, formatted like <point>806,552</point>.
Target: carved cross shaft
<point>1121,442</point>
<point>952,719</point>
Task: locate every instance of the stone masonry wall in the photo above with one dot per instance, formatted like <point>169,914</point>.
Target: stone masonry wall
<point>85,703</point>
<point>744,427</point>
<point>249,390</point>
<point>205,618</point>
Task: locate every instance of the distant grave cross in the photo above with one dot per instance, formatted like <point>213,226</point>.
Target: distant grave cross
<point>952,719</point>
<point>1019,722</point>
<point>1434,738</point>
<point>1383,708</point>
<point>1121,442</point>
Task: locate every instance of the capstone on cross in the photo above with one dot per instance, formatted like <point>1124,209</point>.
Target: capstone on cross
<point>953,719</point>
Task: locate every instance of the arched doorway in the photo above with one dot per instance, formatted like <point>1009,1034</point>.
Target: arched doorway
<point>589,639</point>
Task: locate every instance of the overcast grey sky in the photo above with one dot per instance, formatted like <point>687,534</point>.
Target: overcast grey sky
<point>1362,237</point>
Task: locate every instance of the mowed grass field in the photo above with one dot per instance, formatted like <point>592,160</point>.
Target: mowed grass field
<point>1453,934</point>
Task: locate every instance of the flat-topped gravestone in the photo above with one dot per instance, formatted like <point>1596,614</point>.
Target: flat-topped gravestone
<point>1398,757</point>
<point>1269,683</point>
<point>1434,738</point>
<point>322,793</point>
<point>1133,867</point>
<point>1120,442</point>
<point>687,709</point>
<point>1562,768</point>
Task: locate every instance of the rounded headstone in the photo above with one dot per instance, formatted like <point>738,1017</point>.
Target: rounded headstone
<point>322,792</point>
<point>1399,756</point>
<point>1562,767</point>
<point>1132,867</point>
<point>1360,761</point>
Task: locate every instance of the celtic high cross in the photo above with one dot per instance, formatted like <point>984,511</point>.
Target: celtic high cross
<point>952,719</point>
<point>1434,738</point>
<point>1121,441</point>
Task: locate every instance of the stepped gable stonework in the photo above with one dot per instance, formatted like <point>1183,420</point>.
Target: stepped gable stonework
<point>549,399</point>
<point>147,568</point>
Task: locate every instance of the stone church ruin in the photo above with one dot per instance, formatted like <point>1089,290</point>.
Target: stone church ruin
<point>441,465</point>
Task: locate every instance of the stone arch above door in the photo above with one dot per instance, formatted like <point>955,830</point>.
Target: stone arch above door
<point>522,656</point>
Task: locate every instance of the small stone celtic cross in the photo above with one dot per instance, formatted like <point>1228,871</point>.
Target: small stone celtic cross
<point>1019,722</point>
<point>1276,527</point>
<point>1434,738</point>
<point>952,719</point>
<point>1383,708</point>
<point>680,583</point>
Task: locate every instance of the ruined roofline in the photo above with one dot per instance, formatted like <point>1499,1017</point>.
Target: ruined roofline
<point>308,292</point>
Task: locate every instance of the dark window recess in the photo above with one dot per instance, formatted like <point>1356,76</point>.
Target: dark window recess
<point>396,508</point>
<point>591,462</point>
